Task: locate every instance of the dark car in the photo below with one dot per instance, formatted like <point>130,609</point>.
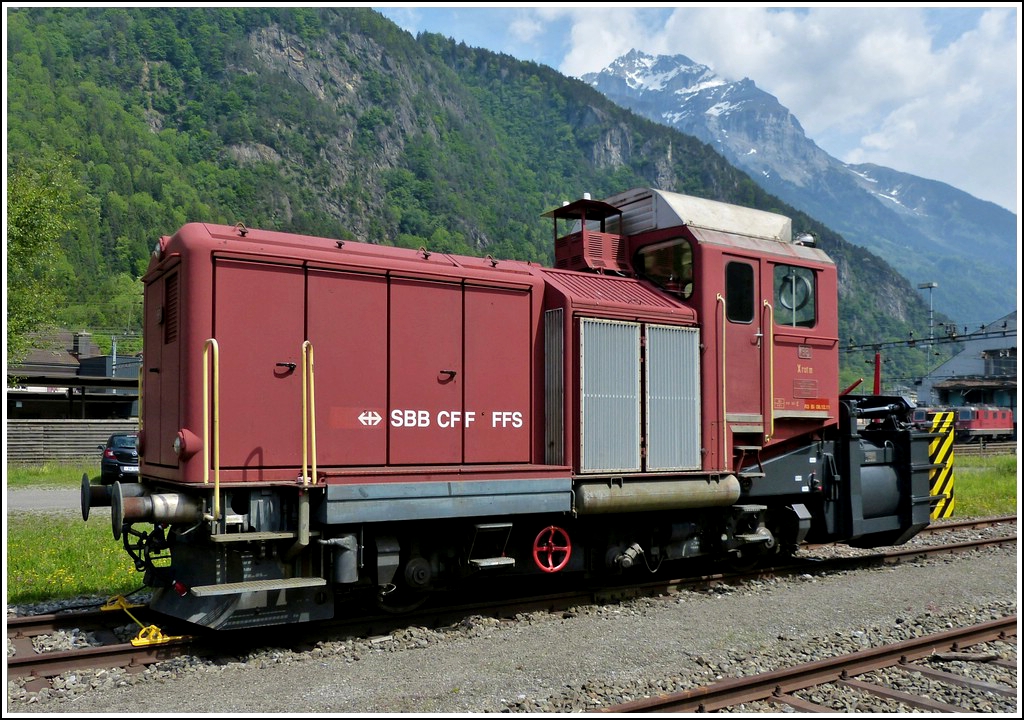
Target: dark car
<point>120,459</point>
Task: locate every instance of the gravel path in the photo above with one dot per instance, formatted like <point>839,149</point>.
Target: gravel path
<point>44,500</point>
<point>579,660</point>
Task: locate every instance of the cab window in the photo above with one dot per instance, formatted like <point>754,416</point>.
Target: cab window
<point>739,292</point>
<point>794,296</point>
<point>669,265</point>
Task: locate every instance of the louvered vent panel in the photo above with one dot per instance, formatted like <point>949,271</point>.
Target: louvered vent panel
<point>171,309</point>
<point>609,396</point>
<point>673,398</point>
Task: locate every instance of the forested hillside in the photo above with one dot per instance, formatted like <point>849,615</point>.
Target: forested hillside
<point>335,122</point>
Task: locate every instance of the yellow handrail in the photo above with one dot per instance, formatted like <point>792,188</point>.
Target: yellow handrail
<point>308,412</point>
<point>771,372</point>
<point>140,397</point>
<point>725,422</point>
<point>209,345</point>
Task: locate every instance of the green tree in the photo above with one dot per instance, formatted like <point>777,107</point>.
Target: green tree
<point>40,209</point>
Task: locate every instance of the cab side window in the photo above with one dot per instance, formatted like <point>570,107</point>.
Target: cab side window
<point>795,304</point>
<point>669,265</point>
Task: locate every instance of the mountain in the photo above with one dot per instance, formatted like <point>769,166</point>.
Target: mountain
<point>928,230</point>
<point>335,122</point>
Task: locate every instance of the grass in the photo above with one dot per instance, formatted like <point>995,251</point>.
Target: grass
<point>62,557</point>
<point>52,475</point>
<point>985,486</point>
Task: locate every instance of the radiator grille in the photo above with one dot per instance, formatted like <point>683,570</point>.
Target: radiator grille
<point>554,387</point>
<point>673,398</point>
<point>609,396</point>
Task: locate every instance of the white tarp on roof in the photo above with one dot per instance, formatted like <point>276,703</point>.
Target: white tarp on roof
<point>649,209</point>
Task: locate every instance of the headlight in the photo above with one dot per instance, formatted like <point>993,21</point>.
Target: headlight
<point>186,444</point>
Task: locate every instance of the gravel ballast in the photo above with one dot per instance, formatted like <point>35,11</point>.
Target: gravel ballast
<point>590,657</point>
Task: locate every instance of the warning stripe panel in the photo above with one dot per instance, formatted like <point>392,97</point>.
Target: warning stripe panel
<point>940,452</point>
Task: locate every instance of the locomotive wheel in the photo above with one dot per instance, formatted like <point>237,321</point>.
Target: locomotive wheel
<point>552,549</point>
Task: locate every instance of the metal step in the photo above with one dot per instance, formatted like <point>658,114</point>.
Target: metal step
<point>257,586</point>
<point>488,563</point>
<point>747,429</point>
<point>494,537</point>
<point>258,536</point>
<point>493,527</point>
<point>750,538</point>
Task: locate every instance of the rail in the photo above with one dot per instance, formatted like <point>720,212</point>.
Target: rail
<point>780,686</point>
<point>988,449</point>
<point>448,608</point>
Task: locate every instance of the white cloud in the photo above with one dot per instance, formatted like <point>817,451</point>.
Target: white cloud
<point>867,84</point>
<point>598,37</point>
<point>526,29</point>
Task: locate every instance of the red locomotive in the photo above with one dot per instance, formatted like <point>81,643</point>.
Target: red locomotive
<point>322,418</point>
<point>975,423</point>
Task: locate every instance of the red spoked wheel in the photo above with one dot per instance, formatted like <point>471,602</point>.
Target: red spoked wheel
<point>552,549</point>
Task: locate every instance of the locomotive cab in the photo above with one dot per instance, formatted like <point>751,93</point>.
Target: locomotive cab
<point>770,346</point>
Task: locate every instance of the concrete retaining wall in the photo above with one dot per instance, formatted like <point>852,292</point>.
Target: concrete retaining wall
<point>41,441</point>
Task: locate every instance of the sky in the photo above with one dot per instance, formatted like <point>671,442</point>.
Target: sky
<point>927,90</point>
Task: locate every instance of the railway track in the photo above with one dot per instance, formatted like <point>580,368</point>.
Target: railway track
<point>859,673</point>
<point>974,523</point>
<point>988,449</point>
<point>104,637</point>
<point>97,637</point>
<point>944,527</point>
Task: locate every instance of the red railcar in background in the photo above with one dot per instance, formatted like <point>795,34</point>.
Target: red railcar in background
<point>323,419</point>
<point>975,423</point>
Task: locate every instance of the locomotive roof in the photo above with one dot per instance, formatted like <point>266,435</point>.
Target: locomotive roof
<point>645,209</point>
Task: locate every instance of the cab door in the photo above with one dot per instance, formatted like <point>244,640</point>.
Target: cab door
<point>160,403</point>
<point>426,381</point>
<point>258,327</point>
<point>744,339</point>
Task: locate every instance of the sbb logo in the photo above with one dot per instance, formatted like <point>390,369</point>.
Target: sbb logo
<point>410,418</point>
<point>454,419</point>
